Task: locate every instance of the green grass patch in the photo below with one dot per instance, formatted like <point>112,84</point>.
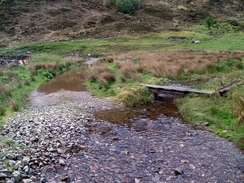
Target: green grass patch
<point>146,42</point>
<point>223,113</point>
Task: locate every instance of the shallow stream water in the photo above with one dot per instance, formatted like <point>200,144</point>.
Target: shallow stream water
<point>73,80</point>
<point>145,144</point>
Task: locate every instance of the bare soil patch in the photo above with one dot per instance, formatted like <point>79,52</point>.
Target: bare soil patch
<point>46,21</point>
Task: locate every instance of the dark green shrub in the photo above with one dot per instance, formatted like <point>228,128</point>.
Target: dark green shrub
<point>136,4</point>
<point>124,6</point>
<point>209,21</point>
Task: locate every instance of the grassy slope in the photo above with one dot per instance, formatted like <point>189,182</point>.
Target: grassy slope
<point>147,42</point>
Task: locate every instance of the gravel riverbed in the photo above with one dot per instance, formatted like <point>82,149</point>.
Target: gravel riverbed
<point>58,139</point>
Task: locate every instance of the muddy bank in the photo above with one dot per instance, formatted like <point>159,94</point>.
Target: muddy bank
<point>59,138</point>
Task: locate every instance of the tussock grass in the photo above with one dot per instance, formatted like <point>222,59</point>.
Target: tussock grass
<point>238,108</point>
<point>106,78</point>
<point>2,110</point>
<point>100,73</point>
<point>14,105</point>
<point>171,64</point>
<point>135,95</point>
<point>127,70</point>
<point>4,90</point>
<point>96,70</point>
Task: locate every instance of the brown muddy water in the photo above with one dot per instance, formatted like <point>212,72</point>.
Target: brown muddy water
<point>126,116</point>
<point>73,80</point>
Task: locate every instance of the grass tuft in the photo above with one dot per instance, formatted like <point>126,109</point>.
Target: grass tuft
<point>127,71</point>
<point>106,78</point>
<point>2,110</point>
<point>14,105</point>
<point>135,95</point>
<point>238,109</point>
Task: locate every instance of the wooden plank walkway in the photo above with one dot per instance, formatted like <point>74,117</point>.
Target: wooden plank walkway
<point>183,90</point>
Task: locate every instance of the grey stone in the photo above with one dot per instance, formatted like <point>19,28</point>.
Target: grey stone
<point>16,173</point>
<point>27,181</point>
<point>61,161</point>
<point>3,175</point>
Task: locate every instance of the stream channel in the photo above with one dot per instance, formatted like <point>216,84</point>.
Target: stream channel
<point>145,144</point>
<point>74,80</point>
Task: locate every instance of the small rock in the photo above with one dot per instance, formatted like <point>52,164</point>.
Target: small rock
<point>11,181</point>
<point>94,168</point>
<point>26,159</point>
<point>192,166</point>
<point>51,150</point>
<point>26,168</point>
<point>125,152</point>
<point>48,169</point>
<point>64,177</point>
<point>115,138</point>
<point>26,181</point>
<point>3,175</point>
<point>60,151</point>
<point>178,171</point>
<point>16,173</point>
<point>137,180</point>
<point>4,170</point>
<point>184,161</point>
<point>10,156</point>
<point>43,180</point>
<point>11,162</point>
<point>61,161</point>
<point>206,124</point>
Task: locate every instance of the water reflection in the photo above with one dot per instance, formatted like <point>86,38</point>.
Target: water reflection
<point>126,116</point>
<point>73,80</point>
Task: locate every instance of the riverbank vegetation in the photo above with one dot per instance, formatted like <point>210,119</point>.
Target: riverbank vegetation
<point>119,76</point>
<point>17,81</point>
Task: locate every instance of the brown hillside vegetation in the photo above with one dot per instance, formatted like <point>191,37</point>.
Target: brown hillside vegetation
<point>171,63</point>
<point>52,20</point>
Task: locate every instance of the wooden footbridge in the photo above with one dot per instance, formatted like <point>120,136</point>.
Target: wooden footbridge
<point>175,90</point>
<point>182,90</point>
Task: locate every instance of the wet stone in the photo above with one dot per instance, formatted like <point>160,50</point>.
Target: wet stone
<point>64,177</point>
<point>3,175</point>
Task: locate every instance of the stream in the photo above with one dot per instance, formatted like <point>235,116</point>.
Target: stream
<point>144,144</point>
<point>66,134</point>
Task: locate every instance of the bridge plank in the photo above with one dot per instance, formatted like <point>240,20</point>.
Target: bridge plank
<point>178,89</point>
